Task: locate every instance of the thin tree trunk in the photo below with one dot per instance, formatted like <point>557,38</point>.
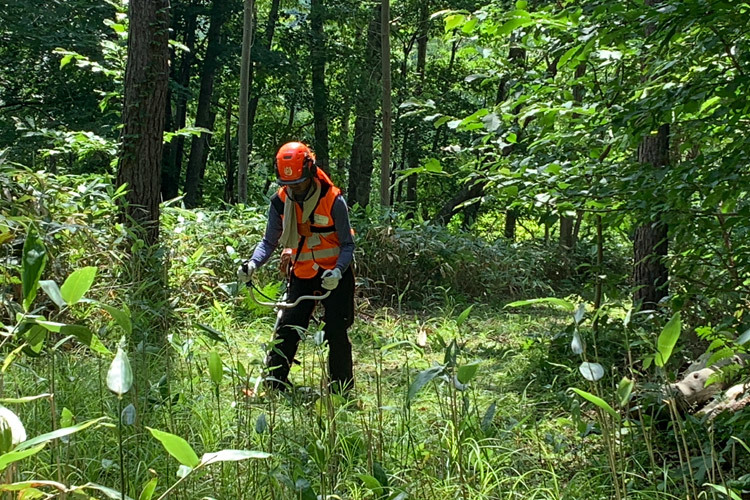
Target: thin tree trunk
<point>199,146</point>
<point>172,168</point>
<point>511,216</point>
<point>146,80</point>
<point>650,243</point>
<point>567,239</point>
<point>344,132</point>
<point>385,58</point>
<point>229,194</point>
<point>242,129</point>
<point>319,90</point>
<point>413,148</point>
<point>360,170</point>
<point>273,18</point>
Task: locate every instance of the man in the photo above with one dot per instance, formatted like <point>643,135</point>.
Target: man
<point>309,216</point>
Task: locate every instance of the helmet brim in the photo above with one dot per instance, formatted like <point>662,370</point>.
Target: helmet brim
<point>291,183</point>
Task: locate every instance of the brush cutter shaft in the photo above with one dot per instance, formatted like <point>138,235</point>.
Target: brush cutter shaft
<point>288,305</point>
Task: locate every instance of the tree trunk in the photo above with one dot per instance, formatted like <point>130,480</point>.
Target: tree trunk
<point>360,169</point>
<point>650,244</point>
<point>199,145</point>
<point>467,192</point>
<point>172,167</point>
<point>413,148</point>
<point>146,80</point>
<point>273,17</point>
<point>567,238</point>
<point>319,91</point>
<point>510,224</point>
<point>385,59</point>
<point>344,134</point>
<point>229,193</point>
<point>242,129</point>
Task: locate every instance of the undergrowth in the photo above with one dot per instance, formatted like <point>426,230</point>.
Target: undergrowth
<point>470,402</point>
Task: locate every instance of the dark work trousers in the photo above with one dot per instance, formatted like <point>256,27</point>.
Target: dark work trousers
<point>338,317</point>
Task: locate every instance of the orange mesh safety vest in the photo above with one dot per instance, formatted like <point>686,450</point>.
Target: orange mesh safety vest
<point>321,243</point>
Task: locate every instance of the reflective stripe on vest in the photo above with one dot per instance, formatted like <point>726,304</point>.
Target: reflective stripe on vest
<point>317,255</point>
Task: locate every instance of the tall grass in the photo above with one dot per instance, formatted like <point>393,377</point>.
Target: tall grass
<point>450,401</point>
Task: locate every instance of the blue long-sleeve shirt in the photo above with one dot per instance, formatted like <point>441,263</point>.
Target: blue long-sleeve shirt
<point>274,228</point>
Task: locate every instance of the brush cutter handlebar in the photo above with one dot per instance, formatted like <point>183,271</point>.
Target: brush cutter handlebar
<point>286,305</point>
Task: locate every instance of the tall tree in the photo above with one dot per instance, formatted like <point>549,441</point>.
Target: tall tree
<point>319,90</point>
<point>257,82</point>
<point>650,275</point>
<point>360,168</point>
<point>385,58</point>
<point>198,149</point>
<point>180,92</point>
<point>146,78</point>
<point>242,130</point>
<point>413,147</point>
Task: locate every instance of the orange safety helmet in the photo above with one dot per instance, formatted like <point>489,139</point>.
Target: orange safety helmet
<point>294,163</point>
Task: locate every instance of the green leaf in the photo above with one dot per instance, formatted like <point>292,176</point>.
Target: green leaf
<point>422,379</point>
<point>469,26</point>
<point>464,315</point>
<point>215,367</point>
<point>491,122</point>
<point>149,489</point>
<point>25,399</point>
<point>232,456</point>
<point>579,313</point>
<point>568,306</point>
<point>724,491</point>
<point>177,447</point>
<point>453,21</point>
<point>371,483</point>
<point>598,402</point>
<point>467,372</point>
<point>53,292</point>
<point>720,355</point>
<point>66,418</point>
<point>66,431</point>
<point>709,103</point>
<point>744,338</point>
<point>261,424</point>
<point>120,317</point>
<point>120,375</point>
<point>110,492</point>
<point>33,261</point>
<point>212,333</point>
<point>35,337</point>
<point>82,333</point>
<point>667,340</point>
<point>519,19</point>
<point>567,55</point>
<point>16,455</point>
<point>77,284</point>
<point>625,391</point>
<point>52,326</point>
<point>489,415</point>
<point>65,60</point>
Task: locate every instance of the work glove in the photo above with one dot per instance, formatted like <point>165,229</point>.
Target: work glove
<point>246,270</point>
<point>331,278</point>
